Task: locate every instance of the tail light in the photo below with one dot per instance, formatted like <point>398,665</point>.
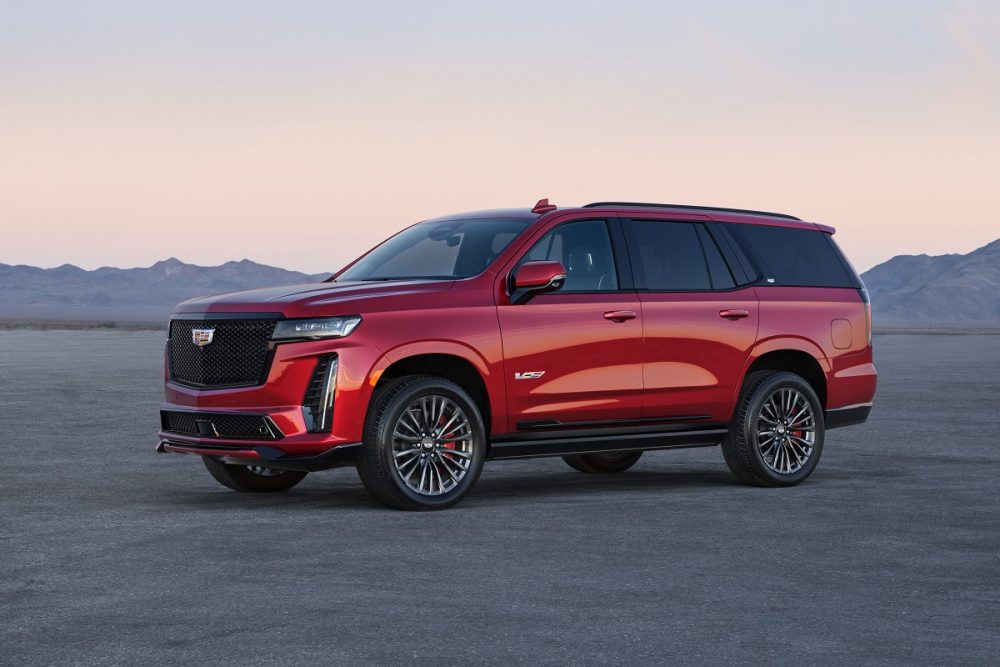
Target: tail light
<point>868,313</point>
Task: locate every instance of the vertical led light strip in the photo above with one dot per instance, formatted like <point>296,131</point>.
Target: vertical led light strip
<point>328,395</point>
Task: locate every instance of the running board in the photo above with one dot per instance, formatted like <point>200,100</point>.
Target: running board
<point>525,448</point>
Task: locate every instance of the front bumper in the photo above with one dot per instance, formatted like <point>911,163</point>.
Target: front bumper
<point>251,454</point>
<point>278,404</point>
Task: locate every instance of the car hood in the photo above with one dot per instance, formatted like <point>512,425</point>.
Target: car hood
<point>307,300</point>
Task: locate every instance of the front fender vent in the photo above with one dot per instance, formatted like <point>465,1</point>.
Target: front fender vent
<point>317,406</point>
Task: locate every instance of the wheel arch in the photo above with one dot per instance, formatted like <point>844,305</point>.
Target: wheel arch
<point>793,355</point>
<point>454,363</point>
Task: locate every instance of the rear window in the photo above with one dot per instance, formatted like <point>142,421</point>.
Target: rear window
<point>792,257</point>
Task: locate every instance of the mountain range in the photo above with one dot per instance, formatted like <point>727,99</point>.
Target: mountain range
<point>937,289</point>
<point>68,292</point>
<point>907,289</point>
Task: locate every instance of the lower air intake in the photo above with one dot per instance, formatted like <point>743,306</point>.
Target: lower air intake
<point>223,425</point>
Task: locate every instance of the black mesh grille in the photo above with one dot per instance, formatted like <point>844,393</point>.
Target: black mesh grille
<point>237,355</point>
<point>219,425</point>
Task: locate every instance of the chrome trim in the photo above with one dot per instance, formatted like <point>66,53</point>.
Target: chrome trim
<point>329,392</point>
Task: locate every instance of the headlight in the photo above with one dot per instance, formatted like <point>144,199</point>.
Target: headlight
<point>324,327</point>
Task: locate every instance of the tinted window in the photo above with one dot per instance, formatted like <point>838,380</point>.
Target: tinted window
<point>670,256</point>
<point>438,249</point>
<point>584,248</point>
<point>788,256</point>
<point>722,278</point>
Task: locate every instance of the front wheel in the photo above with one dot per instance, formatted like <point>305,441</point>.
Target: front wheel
<point>776,437</point>
<point>252,478</point>
<point>424,446</point>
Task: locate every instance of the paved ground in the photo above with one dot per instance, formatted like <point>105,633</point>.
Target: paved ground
<point>114,555</point>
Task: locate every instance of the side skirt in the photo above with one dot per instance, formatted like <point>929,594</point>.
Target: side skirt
<point>523,447</point>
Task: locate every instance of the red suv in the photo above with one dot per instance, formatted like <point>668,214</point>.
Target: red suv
<point>591,333</point>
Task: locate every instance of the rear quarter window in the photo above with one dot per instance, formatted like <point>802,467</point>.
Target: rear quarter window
<point>792,257</point>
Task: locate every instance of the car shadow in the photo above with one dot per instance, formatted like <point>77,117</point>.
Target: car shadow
<point>574,483</point>
<point>348,493</point>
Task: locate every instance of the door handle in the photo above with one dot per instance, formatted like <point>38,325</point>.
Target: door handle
<point>734,314</point>
<point>620,315</point>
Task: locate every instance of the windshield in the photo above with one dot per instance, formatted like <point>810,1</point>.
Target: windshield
<point>443,250</point>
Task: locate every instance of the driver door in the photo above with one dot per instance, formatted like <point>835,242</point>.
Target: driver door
<point>573,357</point>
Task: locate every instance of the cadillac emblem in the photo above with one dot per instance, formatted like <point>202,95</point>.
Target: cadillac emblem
<point>202,337</point>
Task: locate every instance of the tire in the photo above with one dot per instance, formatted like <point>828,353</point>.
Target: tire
<point>603,462</point>
<point>763,446</point>
<point>257,479</point>
<point>406,461</point>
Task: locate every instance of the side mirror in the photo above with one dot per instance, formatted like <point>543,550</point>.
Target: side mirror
<point>533,277</point>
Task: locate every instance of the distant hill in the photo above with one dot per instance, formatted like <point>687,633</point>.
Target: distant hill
<point>908,289</point>
<point>937,289</point>
<point>68,292</point>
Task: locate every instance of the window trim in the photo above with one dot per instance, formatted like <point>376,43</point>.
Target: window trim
<point>640,278</point>
<point>739,266</point>
<point>704,238</point>
<point>615,238</point>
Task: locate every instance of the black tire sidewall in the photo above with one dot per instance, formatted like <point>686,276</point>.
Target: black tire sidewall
<point>749,426</point>
<point>386,424</point>
<point>241,478</point>
<point>605,462</point>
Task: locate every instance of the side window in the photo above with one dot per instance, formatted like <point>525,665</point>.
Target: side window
<point>670,256</point>
<point>791,256</point>
<point>722,278</point>
<point>584,248</point>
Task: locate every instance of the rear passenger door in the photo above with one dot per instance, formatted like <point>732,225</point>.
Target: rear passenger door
<point>698,324</point>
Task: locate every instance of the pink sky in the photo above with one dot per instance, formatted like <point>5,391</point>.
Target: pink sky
<point>301,135</point>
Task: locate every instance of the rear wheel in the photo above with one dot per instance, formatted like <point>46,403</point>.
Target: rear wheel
<point>603,462</point>
<point>252,478</point>
<point>776,437</point>
<point>424,446</point>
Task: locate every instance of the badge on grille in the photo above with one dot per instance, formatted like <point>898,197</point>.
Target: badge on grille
<point>202,337</point>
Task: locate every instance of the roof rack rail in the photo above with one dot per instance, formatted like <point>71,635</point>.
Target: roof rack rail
<point>692,208</point>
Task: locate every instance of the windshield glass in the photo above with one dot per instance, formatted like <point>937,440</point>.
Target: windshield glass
<point>443,250</point>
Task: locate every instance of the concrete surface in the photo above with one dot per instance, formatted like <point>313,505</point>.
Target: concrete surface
<point>112,554</point>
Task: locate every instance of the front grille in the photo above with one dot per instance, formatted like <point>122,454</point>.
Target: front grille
<point>236,356</point>
<point>227,425</point>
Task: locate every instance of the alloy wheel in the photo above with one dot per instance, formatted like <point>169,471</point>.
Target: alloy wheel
<point>432,445</point>
<point>786,431</point>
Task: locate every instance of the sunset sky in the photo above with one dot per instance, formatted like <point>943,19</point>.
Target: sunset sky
<point>301,133</point>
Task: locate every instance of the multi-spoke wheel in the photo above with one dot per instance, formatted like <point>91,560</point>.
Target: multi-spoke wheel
<point>424,443</point>
<point>786,431</point>
<point>432,445</point>
<point>776,436</point>
<point>252,478</point>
